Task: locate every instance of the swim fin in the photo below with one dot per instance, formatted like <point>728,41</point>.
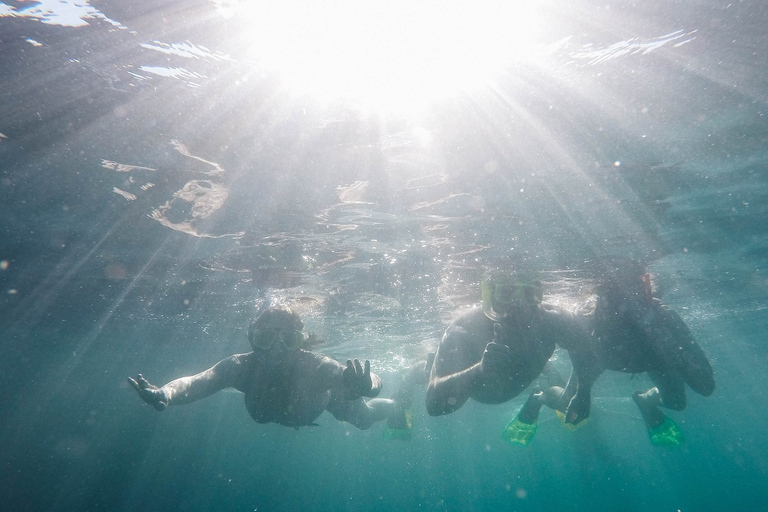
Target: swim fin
<point>519,432</point>
<point>666,434</point>
<point>570,427</point>
<point>402,433</point>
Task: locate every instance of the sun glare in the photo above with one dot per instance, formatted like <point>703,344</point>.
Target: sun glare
<point>390,55</point>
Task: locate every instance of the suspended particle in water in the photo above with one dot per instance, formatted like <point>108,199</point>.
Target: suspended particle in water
<point>115,271</point>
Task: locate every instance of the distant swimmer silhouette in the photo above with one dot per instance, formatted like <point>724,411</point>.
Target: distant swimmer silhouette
<point>283,383</point>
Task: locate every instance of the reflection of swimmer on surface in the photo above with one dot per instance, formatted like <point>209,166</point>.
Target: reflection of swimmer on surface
<point>632,332</point>
<point>491,354</point>
<point>282,382</point>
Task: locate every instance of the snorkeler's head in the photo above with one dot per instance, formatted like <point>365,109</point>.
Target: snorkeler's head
<point>624,295</point>
<point>503,291</point>
<point>276,327</point>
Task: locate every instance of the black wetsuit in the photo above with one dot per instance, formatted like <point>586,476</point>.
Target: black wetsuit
<point>530,333</point>
<point>653,339</point>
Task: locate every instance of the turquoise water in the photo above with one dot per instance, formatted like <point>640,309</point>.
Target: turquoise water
<point>161,179</point>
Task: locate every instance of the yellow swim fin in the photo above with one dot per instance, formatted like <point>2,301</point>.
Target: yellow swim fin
<point>400,434</point>
<point>570,427</point>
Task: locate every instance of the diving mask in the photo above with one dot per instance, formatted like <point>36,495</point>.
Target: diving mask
<point>501,292</point>
<point>266,339</point>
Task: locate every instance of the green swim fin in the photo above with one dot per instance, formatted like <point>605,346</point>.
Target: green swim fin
<point>519,432</point>
<point>400,434</point>
<point>666,434</point>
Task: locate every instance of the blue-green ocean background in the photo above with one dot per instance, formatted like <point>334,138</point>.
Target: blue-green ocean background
<point>144,217</point>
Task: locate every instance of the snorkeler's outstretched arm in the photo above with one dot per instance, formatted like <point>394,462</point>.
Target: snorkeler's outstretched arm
<point>150,393</point>
<point>188,389</point>
<point>458,375</point>
<point>453,373</point>
<point>447,393</point>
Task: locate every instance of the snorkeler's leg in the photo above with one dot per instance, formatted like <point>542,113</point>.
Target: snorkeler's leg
<point>529,413</point>
<point>400,421</point>
<point>661,429</point>
<point>552,397</point>
<point>587,368</point>
<point>570,390</point>
<point>411,379</point>
<point>671,388</point>
<point>553,376</point>
<point>557,399</point>
<point>669,392</point>
<point>649,403</point>
<point>523,427</point>
<point>362,413</point>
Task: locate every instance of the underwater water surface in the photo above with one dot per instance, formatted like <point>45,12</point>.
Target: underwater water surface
<point>168,168</point>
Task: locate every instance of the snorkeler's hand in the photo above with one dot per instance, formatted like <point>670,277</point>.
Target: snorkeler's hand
<point>578,408</point>
<point>151,394</point>
<point>356,380</point>
<point>496,361</point>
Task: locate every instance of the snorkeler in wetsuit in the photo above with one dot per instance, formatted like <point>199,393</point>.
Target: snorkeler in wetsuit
<point>632,332</point>
<point>492,353</point>
<point>281,382</point>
